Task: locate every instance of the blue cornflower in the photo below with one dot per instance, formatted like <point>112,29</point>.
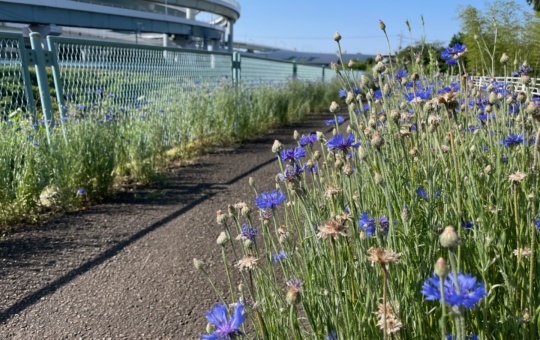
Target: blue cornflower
<point>422,94</point>
<point>81,192</point>
<point>537,222</point>
<point>313,170</point>
<point>342,93</point>
<point>79,107</point>
<point>444,90</point>
<point>450,52</point>
<point>282,255</point>
<point>512,140</point>
<point>524,70</point>
<point>504,158</point>
<point>367,224</point>
<point>248,233</point>
<point>356,90</point>
<point>472,337</point>
<point>340,120</point>
<point>471,291</point>
<point>401,74</point>
<point>331,336</point>
<point>225,329</point>
<point>340,143</point>
<point>292,154</point>
<point>451,62</point>
<point>467,225</point>
<point>423,194</point>
<point>291,173</point>
<point>309,139</point>
<point>365,107</point>
<point>270,199</point>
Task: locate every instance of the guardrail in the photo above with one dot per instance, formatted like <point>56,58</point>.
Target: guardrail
<point>516,81</point>
<point>78,74</point>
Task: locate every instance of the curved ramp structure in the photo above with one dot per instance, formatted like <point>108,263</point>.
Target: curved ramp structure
<point>173,17</point>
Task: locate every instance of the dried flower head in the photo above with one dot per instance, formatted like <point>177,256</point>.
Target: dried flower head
<point>523,252</point>
<point>382,256</point>
<point>331,228</point>
<point>331,190</point>
<point>248,262</point>
<point>393,323</point>
<point>517,177</point>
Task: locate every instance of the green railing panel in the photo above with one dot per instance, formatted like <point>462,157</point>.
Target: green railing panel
<point>15,84</point>
<point>308,72</point>
<point>128,76</point>
<point>255,70</point>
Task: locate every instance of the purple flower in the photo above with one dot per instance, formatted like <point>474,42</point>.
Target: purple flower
<point>423,194</point>
<point>512,140</point>
<point>451,62</point>
<point>79,107</point>
<point>81,192</point>
<point>537,222</point>
<point>471,292</point>
<point>524,70</point>
<point>292,154</point>
<point>338,142</point>
<point>282,255</point>
<point>226,329</point>
<point>270,199</point>
<point>422,94</point>
<point>450,52</point>
<point>401,74</point>
<point>309,139</point>
<point>331,336</point>
<point>367,224</point>
<point>333,121</point>
<point>342,93</point>
<point>291,173</point>
<point>248,233</point>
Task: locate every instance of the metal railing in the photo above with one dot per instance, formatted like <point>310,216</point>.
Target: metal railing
<point>74,76</point>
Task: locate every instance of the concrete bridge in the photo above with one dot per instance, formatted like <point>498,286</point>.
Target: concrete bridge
<point>173,18</point>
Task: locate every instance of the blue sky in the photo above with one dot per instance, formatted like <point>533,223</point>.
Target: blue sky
<point>309,25</point>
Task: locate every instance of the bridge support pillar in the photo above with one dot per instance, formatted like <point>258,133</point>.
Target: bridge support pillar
<point>44,31</point>
<point>230,37</point>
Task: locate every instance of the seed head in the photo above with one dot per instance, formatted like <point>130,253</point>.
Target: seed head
<point>517,177</point>
<point>198,264</point>
<point>331,228</point>
<point>382,256</point>
<point>337,37</point>
<point>248,262</point>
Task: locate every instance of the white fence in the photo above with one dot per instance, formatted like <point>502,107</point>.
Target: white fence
<point>485,81</point>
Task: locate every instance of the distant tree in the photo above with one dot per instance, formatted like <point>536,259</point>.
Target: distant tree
<point>517,35</point>
<point>535,4</point>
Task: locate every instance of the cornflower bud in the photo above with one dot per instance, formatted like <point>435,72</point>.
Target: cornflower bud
<point>441,268</point>
<point>334,107</point>
<point>372,123</point>
<point>380,67</point>
<point>334,67</point>
<point>210,328</point>
<point>296,135</point>
<point>348,170</point>
<point>350,97</point>
<point>504,59</point>
<point>221,217</point>
<point>386,89</point>
<point>232,210</point>
<point>449,238</point>
<point>245,211</point>
<point>378,57</point>
<point>377,141</point>
<point>198,264</point>
<point>316,155</point>
<point>500,96</point>
<point>404,81</point>
<point>362,153</point>
<point>415,76</point>
<point>405,214</point>
<point>382,118</point>
<point>490,88</point>
<point>521,97</point>
<point>487,169</point>
<point>378,179</point>
<point>222,238</point>
<point>277,147</point>
<point>251,182</point>
<point>526,80</point>
<point>351,63</point>
<point>382,26</point>
<point>337,37</point>
<point>320,136</point>
<point>394,115</point>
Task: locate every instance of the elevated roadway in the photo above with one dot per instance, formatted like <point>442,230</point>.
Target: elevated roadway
<point>175,18</point>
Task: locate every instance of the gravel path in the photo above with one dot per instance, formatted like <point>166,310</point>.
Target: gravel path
<point>123,269</point>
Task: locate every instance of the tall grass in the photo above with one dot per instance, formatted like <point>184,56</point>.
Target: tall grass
<point>95,147</point>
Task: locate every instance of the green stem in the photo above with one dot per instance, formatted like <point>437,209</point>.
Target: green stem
<point>228,272</point>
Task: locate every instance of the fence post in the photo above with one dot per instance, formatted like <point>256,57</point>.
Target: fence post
<point>26,60</point>
<point>43,84</point>
<point>323,68</point>
<point>57,83</point>
<point>294,70</point>
<point>236,67</point>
